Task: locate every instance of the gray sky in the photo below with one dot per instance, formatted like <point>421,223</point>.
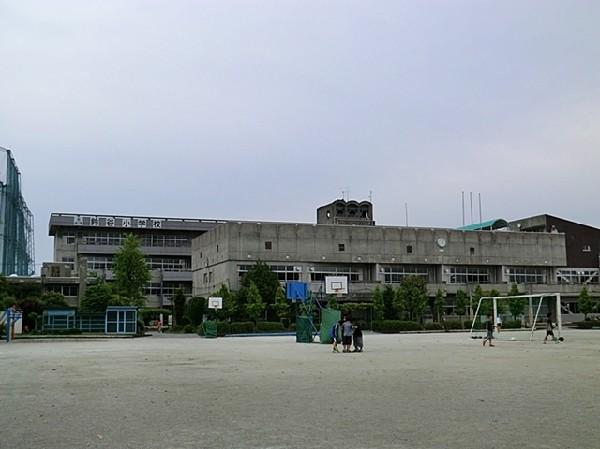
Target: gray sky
<point>268,109</point>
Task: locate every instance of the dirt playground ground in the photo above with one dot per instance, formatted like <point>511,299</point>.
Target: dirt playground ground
<point>405,391</point>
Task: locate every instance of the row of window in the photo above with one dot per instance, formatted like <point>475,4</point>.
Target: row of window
<point>395,274</point>
<point>106,238</point>
<point>95,263</point>
<point>167,288</point>
<point>65,290</point>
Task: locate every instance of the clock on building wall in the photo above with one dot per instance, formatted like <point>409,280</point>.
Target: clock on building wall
<point>441,242</point>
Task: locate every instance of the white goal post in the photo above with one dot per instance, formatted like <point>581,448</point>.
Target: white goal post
<point>533,318</point>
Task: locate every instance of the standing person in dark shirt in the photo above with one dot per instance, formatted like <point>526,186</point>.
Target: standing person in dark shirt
<point>549,328</point>
<point>489,327</point>
<point>357,338</point>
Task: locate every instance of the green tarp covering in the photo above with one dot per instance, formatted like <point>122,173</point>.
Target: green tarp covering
<point>328,318</point>
<point>303,330</point>
<point>210,329</point>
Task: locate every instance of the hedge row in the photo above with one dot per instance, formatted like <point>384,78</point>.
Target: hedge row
<point>392,326</point>
<point>587,324</point>
<point>245,327</point>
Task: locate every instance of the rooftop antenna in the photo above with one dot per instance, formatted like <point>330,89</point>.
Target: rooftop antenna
<point>406,212</point>
<point>471,195</point>
<point>480,216</point>
<point>463,206</point>
<point>370,196</point>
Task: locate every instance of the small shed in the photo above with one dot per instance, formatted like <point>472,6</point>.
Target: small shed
<point>121,320</point>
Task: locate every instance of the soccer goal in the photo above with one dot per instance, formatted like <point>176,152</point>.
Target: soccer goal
<point>528,313</point>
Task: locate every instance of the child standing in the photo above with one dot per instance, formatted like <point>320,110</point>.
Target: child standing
<point>489,327</point>
<point>549,328</point>
<point>346,334</point>
<point>334,334</point>
<point>357,338</point>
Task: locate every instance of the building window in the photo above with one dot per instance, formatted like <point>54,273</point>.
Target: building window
<point>65,290</point>
<point>95,263</point>
<point>409,249</point>
<point>69,238</point>
<point>469,275</point>
<point>321,272</point>
<point>578,275</point>
<point>284,272</point>
<point>268,245</point>
<point>586,249</point>
<point>341,247</point>
<point>472,251</point>
<point>526,275</point>
<point>205,278</point>
<point>395,273</point>
<point>217,248</point>
<point>69,261</point>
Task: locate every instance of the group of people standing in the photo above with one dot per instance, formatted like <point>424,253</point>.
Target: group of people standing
<point>347,333</point>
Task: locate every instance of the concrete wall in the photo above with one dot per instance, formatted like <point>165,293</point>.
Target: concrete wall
<point>221,250</point>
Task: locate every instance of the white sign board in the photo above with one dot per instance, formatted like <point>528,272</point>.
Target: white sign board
<point>215,302</point>
<point>336,285</point>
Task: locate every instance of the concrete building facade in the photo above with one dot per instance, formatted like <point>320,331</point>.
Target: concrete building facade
<point>447,259</point>
<point>86,243</point>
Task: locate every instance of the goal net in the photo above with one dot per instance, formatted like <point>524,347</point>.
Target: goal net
<point>522,317</point>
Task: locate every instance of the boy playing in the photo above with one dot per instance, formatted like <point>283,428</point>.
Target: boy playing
<point>549,327</point>
<point>489,326</point>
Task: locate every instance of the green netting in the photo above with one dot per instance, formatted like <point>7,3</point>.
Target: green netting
<point>303,329</point>
<point>209,329</point>
<point>328,318</point>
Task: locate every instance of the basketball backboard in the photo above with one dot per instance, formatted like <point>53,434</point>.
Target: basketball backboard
<point>336,285</point>
<point>215,302</point>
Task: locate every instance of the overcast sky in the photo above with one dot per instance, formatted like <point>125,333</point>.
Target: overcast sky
<point>267,109</point>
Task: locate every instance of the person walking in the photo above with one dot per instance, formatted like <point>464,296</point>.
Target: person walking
<point>489,327</point>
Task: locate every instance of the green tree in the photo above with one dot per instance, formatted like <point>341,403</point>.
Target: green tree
<point>500,304</point>
<point>584,302</point>
<point>97,297</point>
<point>475,297</point>
<point>515,305</point>
<point>131,271</point>
<point>413,291</point>
<point>255,306</point>
<point>265,280</point>
<point>460,304</point>
<point>196,308</point>
<point>332,302</point>
<point>399,304</point>
<point>53,299</point>
<point>230,303</point>
<point>178,306</point>
<point>389,312</point>
<point>281,305</point>
<point>378,304</point>
<point>438,305</point>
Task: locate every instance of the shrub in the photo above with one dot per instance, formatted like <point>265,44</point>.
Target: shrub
<point>269,326</point>
<point>455,324</point>
<point>393,326</point>
<point>467,324</point>
<point>433,326</point>
<point>176,329</point>
<point>188,329</point>
<point>223,328</point>
<point>246,327</point>
<point>141,329</point>
<point>511,324</point>
<point>184,321</point>
<point>584,324</point>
